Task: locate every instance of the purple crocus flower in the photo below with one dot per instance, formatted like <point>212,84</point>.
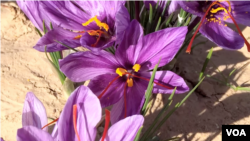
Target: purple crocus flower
<point>96,24</point>
<point>122,79</point>
<point>34,119</point>
<point>79,123</point>
<point>213,25</point>
<point>162,4</point>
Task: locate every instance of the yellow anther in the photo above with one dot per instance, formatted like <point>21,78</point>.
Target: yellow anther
<point>98,23</point>
<point>218,9</point>
<point>120,71</point>
<point>137,67</point>
<point>130,82</point>
<point>78,37</point>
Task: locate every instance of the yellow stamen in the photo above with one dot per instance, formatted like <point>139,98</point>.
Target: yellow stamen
<point>120,71</point>
<point>217,9</point>
<point>98,23</point>
<point>137,67</point>
<point>130,82</point>
<point>78,37</point>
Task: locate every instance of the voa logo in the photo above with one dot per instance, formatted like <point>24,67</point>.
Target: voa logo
<point>236,132</point>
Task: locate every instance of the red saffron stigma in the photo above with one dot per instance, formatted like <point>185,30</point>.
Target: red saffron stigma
<point>100,96</point>
<point>125,100</point>
<point>50,123</point>
<point>203,18</point>
<point>74,121</point>
<point>107,120</point>
<point>246,42</point>
<point>149,80</point>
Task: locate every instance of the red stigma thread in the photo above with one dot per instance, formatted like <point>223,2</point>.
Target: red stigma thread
<point>50,123</point>
<point>203,18</point>
<point>107,120</point>
<point>149,80</point>
<point>74,121</point>
<point>125,99</point>
<point>100,96</point>
<point>246,42</point>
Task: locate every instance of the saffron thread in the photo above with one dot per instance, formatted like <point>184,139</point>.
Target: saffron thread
<point>107,120</point>
<point>74,121</point>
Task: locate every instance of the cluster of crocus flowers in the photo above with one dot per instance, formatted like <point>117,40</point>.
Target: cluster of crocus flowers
<point>77,121</point>
<point>214,15</point>
<point>93,24</point>
<point>121,79</point>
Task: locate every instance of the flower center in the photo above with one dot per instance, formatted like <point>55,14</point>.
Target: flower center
<point>226,16</point>
<point>102,32</point>
<point>121,72</point>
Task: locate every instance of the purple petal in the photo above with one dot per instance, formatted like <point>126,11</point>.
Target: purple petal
<point>114,92</point>
<point>112,6</point>
<point>127,46</point>
<point>134,101</point>
<point>88,6</point>
<point>88,115</point>
<point>82,66</point>
<point>125,129</point>
<point>169,79</point>
<point>87,40</point>
<point>174,6</point>
<point>122,20</point>
<point>2,139</point>
<point>54,133</point>
<point>162,44</point>
<point>34,10</point>
<point>222,35</point>
<point>57,34</point>
<point>192,7</point>
<point>241,12</point>
<point>34,113</point>
<point>31,133</point>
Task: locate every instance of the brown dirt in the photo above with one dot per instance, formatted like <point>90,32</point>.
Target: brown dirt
<point>24,69</point>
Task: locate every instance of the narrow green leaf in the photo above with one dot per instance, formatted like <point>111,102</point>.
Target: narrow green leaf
<point>68,86</point>
<point>150,87</point>
<point>188,21</point>
<point>44,27</point>
<point>164,109</point>
<point>66,46</point>
<point>38,32</point>
<point>164,10</point>
<point>158,24</point>
<point>243,89</point>
<point>200,43</point>
<point>51,26</point>
<point>169,19</point>
<point>205,63</point>
<point>150,18</point>
<point>138,134</point>
<point>173,110</point>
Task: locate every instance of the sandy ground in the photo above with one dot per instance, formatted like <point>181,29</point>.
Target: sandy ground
<point>24,69</point>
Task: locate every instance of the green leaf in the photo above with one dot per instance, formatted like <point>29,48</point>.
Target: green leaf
<point>68,86</point>
<point>138,134</point>
<point>38,32</point>
<point>205,63</point>
<point>150,18</point>
<point>158,24</point>
<point>243,89</point>
<point>44,27</point>
<point>51,26</point>
<point>164,10</point>
<point>149,89</point>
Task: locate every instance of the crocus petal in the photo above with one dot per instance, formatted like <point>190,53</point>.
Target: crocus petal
<point>31,133</point>
<point>57,34</point>
<point>34,10</point>
<point>192,7</point>
<point>54,133</point>
<point>125,129</point>
<point>34,113</point>
<point>162,44</point>
<point>169,79</point>
<point>241,12</point>
<point>112,6</point>
<point>134,101</point>
<point>174,6</point>
<point>87,40</point>
<point>133,33</point>
<point>222,35</point>
<point>88,115</point>
<point>122,19</point>
<point>114,92</point>
<point>82,66</point>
